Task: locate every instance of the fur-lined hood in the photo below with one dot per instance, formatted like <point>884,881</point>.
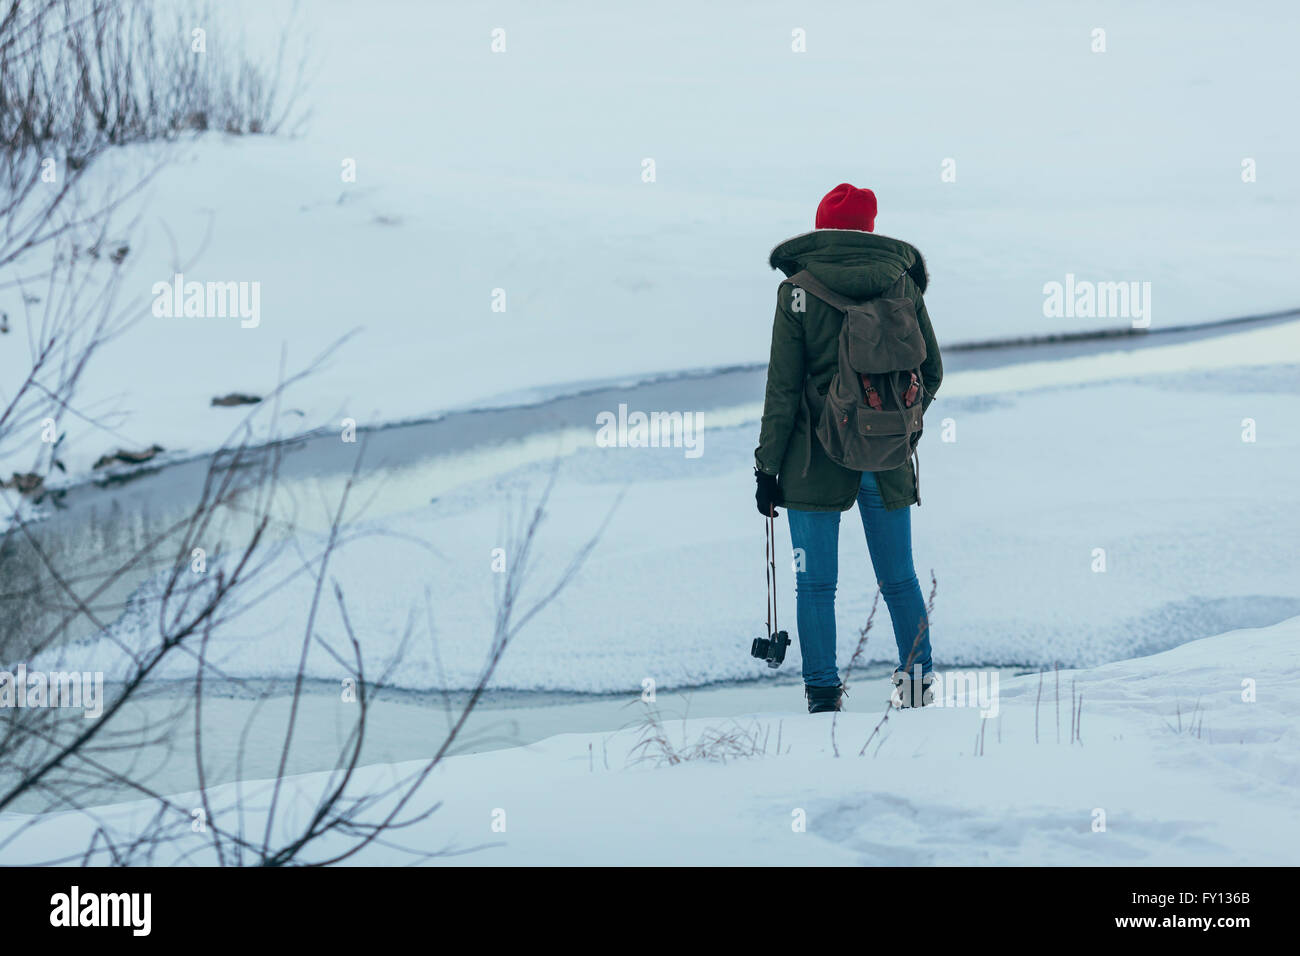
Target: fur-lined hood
<point>854,263</point>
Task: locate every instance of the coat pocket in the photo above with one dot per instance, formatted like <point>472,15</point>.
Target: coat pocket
<point>837,426</point>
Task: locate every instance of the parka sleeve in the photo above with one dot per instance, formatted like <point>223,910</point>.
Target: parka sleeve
<point>785,383</point>
<point>932,367</point>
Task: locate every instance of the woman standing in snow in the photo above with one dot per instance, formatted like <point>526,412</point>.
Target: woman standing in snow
<point>846,257</point>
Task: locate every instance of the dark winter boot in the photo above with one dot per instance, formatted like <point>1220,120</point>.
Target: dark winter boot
<point>823,699</point>
<point>909,692</point>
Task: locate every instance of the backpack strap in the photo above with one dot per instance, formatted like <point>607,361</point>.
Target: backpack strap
<point>805,280</point>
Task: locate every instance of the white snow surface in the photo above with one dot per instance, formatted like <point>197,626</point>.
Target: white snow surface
<point>1185,757</point>
<point>521,171</point>
<point>1147,477</point>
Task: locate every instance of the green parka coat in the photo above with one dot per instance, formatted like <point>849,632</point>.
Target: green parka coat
<point>805,345</point>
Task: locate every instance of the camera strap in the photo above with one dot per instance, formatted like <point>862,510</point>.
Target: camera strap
<point>769,558</point>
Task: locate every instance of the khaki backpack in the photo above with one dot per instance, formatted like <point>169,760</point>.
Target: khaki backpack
<point>870,417</point>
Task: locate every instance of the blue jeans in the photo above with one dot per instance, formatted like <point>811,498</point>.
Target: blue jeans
<point>889,540</point>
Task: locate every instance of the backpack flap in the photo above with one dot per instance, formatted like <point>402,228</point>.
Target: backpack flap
<point>883,336</point>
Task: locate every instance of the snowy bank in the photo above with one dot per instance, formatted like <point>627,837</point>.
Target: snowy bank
<point>1185,757</point>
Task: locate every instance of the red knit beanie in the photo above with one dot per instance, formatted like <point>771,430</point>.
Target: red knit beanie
<point>847,207</point>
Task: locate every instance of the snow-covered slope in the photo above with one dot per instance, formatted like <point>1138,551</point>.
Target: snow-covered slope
<point>521,171</point>
<point>1185,757</point>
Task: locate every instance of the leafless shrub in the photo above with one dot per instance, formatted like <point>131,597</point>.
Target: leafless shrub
<point>712,745</point>
<point>83,74</point>
<point>76,78</point>
<point>1195,722</point>
<point>46,751</point>
<point>346,815</point>
<point>69,309</point>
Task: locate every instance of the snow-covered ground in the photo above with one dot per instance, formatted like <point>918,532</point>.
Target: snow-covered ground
<point>1185,757</point>
<point>1193,523</point>
<point>521,171</point>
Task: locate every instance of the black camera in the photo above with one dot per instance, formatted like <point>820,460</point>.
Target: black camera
<point>771,649</point>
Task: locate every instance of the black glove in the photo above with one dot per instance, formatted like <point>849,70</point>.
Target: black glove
<point>768,494</point>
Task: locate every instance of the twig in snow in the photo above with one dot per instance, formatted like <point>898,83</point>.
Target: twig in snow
<point>1057,667</point>
<point>1038,701</point>
<point>848,672</point>
<point>916,642</point>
